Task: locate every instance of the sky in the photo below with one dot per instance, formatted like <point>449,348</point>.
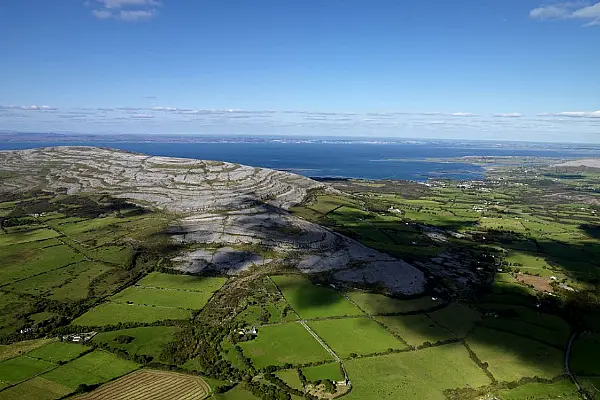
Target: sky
<point>465,69</point>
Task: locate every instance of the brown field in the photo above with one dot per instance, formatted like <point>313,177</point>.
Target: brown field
<point>148,384</point>
<point>539,283</point>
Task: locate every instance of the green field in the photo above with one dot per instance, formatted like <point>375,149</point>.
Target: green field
<point>182,282</point>
<point>58,352</point>
<point>113,313</point>
<point>148,341</point>
<point>33,235</point>
<point>93,368</point>
<point>37,388</point>
<point>68,283</point>
<point>23,261</point>
<point>415,329</point>
<point>162,298</point>
<point>457,318</point>
<point>330,371</point>
<point>290,376</point>
<point>564,389</point>
<point>280,344</point>
<point>18,348</point>
<point>419,375</point>
<point>20,368</point>
<point>377,304</point>
<point>512,357</point>
<point>355,335</point>
<point>311,301</point>
<point>237,393</point>
<point>585,355</point>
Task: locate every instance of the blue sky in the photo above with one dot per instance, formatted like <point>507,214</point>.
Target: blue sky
<point>470,69</point>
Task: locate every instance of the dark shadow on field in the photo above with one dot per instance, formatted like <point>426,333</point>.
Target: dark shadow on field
<point>591,230</point>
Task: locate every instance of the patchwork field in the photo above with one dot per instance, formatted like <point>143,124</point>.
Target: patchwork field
<point>419,375</point>
<point>281,344</point>
<point>355,335</point>
<point>149,384</point>
<point>311,301</point>
<point>509,356</point>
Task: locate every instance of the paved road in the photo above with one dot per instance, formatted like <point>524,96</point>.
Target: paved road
<point>567,363</point>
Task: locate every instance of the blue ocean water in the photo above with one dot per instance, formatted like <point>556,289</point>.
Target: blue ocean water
<point>325,159</point>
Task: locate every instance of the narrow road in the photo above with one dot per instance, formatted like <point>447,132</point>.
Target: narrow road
<point>568,366</point>
<point>321,342</point>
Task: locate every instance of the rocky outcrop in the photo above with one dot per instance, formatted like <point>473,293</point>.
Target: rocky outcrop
<point>223,205</point>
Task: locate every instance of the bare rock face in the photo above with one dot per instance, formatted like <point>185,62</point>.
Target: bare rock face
<point>223,205</point>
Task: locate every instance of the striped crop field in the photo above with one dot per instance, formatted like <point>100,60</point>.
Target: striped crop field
<point>148,384</point>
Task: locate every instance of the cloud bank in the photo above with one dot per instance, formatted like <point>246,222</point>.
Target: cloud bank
<point>583,11</point>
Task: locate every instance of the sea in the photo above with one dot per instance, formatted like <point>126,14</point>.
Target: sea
<point>415,160</point>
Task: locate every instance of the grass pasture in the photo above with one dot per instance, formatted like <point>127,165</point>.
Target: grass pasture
<point>511,357</point>
<point>162,298</point>
<point>457,318</point>
<point>324,371</point>
<point>93,368</point>
<point>20,368</point>
<point>24,261</point>
<point>148,384</point>
<point>378,304</point>
<point>37,388</point>
<point>290,376</point>
<point>182,282</point>
<point>33,235</point>
<point>280,344</point>
<point>58,352</point>
<point>585,355</point>
<point>415,329</point>
<point>563,389</point>
<point>113,313</point>
<point>311,301</point>
<point>14,349</point>
<point>68,283</point>
<point>359,335</point>
<point>148,341</point>
<point>419,375</point>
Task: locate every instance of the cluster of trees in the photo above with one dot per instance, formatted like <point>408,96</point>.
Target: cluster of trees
<point>204,343</point>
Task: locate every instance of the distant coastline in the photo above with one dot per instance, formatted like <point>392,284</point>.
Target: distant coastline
<point>362,158</point>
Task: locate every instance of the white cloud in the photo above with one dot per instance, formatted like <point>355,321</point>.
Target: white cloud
<point>136,15</point>
<point>28,108</point>
<point>125,10</point>
<point>128,3</point>
<point>463,114</point>
<point>508,115</point>
<point>579,114</point>
<point>571,10</point>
